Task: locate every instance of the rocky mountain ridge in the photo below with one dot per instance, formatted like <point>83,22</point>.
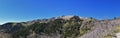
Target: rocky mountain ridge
<point>60,27</point>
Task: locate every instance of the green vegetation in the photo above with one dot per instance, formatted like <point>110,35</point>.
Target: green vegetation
<point>22,33</point>
<point>67,28</point>
<point>70,29</point>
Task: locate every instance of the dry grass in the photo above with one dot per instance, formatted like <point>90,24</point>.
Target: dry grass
<point>108,37</point>
<point>117,29</point>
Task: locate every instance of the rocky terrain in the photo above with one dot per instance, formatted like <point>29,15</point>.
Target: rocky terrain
<point>62,27</point>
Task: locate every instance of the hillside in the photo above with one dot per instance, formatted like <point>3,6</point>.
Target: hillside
<point>62,27</point>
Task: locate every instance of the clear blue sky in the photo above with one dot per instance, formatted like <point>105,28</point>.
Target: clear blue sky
<point>24,10</point>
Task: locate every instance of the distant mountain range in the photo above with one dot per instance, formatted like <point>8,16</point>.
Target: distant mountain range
<point>62,27</point>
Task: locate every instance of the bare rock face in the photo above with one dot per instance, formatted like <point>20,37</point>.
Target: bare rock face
<point>102,29</point>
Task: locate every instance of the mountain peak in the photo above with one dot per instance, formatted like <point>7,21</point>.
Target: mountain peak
<point>67,17</point>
